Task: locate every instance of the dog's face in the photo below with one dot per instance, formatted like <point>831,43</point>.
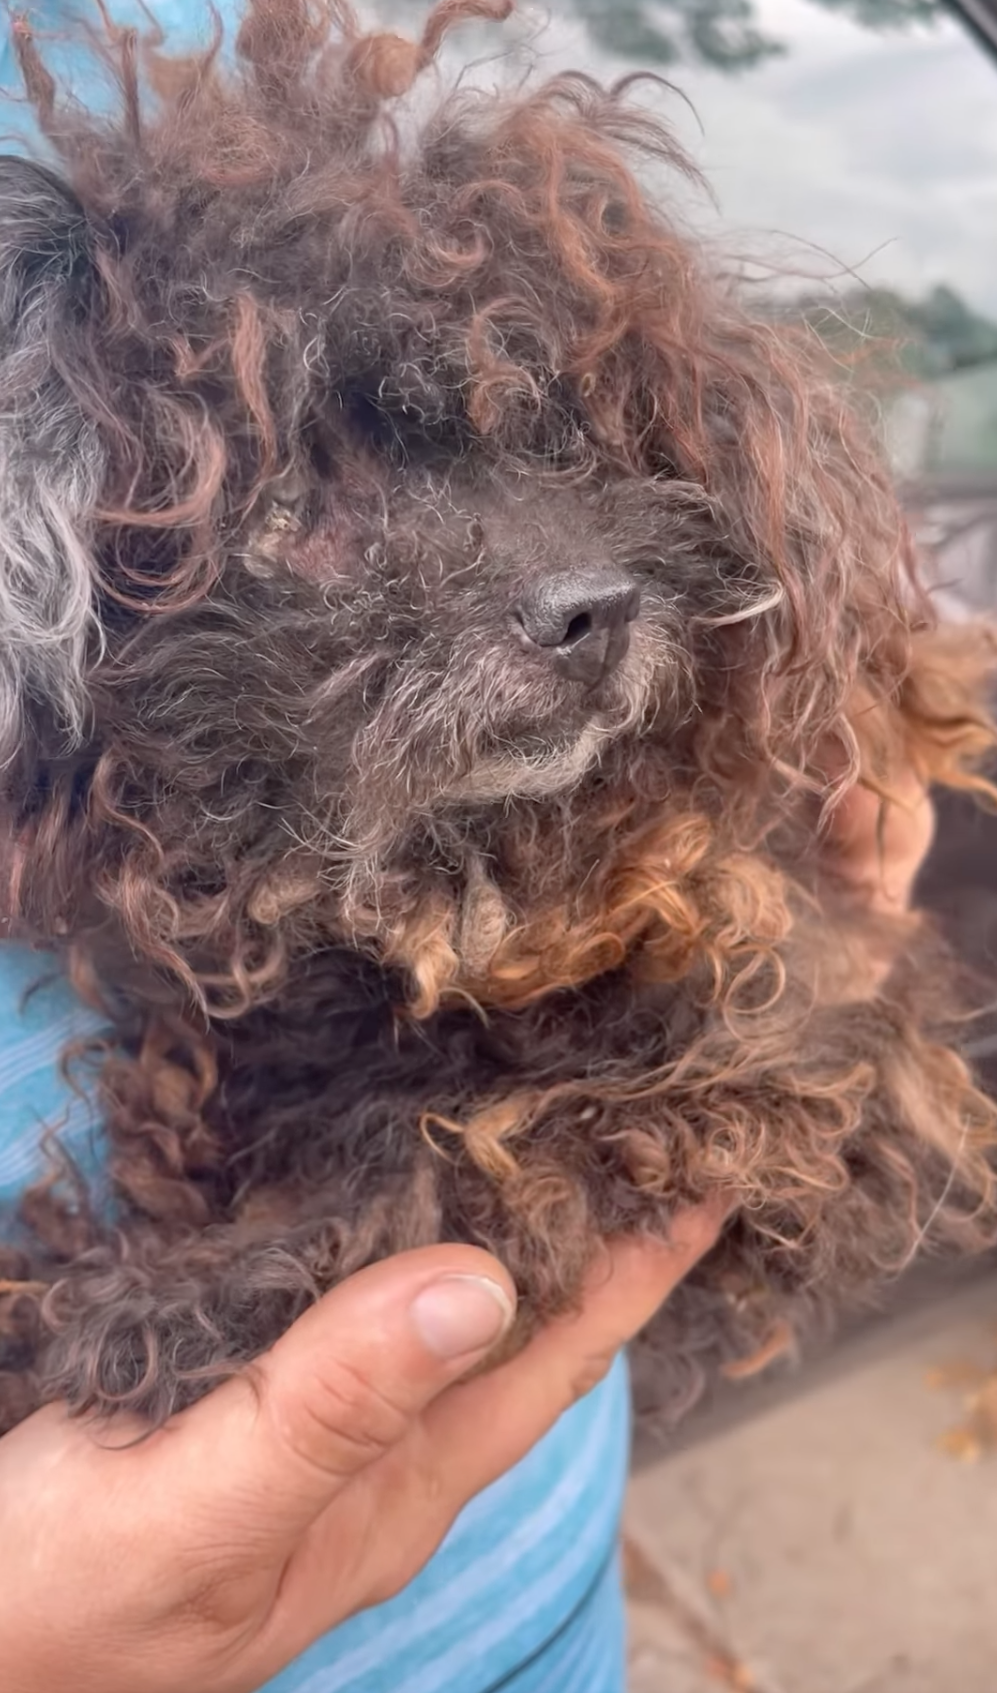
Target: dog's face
<point>494,642</point>
<point>393,539</point>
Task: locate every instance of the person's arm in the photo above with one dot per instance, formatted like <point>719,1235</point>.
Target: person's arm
<point>210,1554</point>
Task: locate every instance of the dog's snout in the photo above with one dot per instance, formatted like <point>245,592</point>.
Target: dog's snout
<point>582,618</point>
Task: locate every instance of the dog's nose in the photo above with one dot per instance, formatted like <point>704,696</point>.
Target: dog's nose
<point>582,618</point>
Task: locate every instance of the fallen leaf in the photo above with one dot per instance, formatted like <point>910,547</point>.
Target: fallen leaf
<point>719,1584</point>
<point>731,1673</point>
<point>960,1376</point>
<point>961,1443</point>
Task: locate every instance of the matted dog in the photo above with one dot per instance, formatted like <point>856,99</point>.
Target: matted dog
<point>438,624</point>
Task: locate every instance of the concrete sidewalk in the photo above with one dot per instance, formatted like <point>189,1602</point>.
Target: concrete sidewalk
<point>831,1544</point>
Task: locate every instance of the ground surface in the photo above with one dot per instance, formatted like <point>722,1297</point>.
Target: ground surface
<point>831,1542</point>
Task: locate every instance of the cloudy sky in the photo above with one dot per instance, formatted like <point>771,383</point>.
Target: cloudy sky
<point>856,149</point>
<point>876,153</point>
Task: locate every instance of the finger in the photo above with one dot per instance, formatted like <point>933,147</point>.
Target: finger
<point>879,843</point>
<point>482,1427</point>
<point>341,1388</point>
<point>479,1429</point>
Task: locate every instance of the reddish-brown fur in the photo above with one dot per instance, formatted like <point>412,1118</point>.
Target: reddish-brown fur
<point>558,1014</point>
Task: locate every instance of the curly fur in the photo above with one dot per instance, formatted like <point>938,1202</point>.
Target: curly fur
<point>403,936</point>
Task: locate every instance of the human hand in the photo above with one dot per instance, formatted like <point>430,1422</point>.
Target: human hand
<point>216,1550</point>
<point>877,845</point>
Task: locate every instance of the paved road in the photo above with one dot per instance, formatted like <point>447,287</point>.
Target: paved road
<point>830,1544</point>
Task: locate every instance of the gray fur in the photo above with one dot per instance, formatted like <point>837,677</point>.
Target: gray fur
<point>51,460</point>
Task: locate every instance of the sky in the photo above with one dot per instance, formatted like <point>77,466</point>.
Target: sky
<point>855,152</point>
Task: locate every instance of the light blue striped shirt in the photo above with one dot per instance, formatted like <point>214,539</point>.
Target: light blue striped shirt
<point>524,1594</point>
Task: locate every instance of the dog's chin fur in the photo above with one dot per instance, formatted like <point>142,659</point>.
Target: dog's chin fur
<point>518,775</point>
<point>553,768</point>
<point>402,935</point>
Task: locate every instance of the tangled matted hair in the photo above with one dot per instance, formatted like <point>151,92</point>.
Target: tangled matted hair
<point>430,608</point>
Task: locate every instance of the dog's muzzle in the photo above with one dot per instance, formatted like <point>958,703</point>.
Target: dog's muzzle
<point>582,620</point>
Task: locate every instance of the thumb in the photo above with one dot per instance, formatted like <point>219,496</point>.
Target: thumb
<point>343,1387</point>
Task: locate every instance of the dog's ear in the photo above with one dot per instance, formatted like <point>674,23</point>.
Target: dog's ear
<point>51,461</point>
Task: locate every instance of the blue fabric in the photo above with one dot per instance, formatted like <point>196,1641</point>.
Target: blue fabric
<point>524,1595</point>
<point>186,24</point>
<point>40,1020</point>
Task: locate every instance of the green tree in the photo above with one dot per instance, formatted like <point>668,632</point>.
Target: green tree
<point>665,32</point>
<point>880,330</point>
<point>722,33</point>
